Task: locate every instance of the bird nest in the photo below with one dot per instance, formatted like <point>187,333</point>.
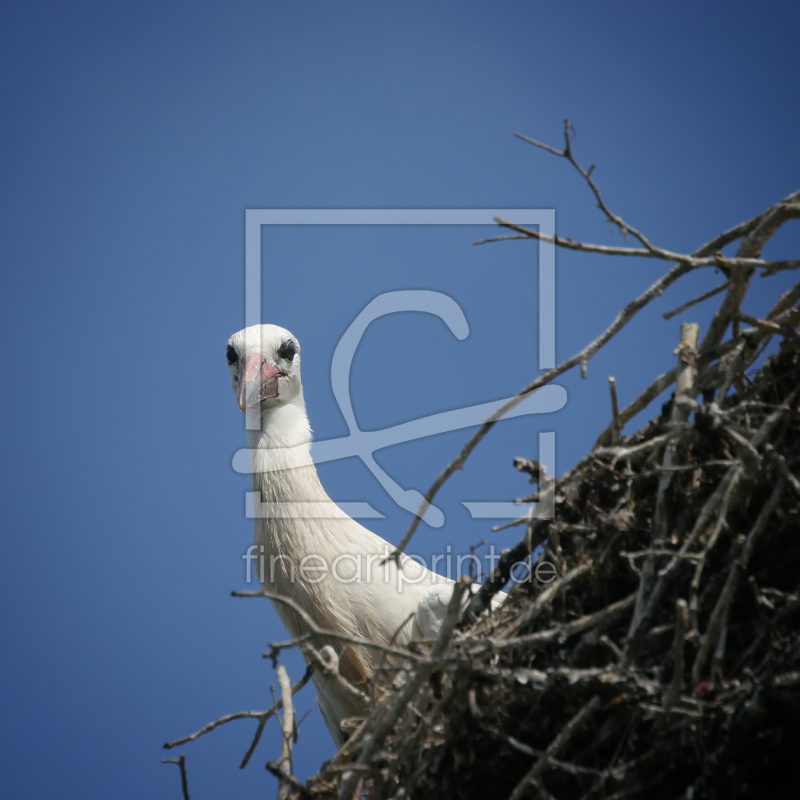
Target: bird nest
<point>665,665</point>
<point>664,657</point>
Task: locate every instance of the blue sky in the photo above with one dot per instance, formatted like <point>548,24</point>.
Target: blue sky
<point>134,137</point>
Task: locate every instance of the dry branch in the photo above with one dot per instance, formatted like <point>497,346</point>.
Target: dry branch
<point>181,762</point>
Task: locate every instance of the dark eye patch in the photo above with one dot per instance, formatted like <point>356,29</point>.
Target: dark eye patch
<point>287,351</point>
<point>231,355</point>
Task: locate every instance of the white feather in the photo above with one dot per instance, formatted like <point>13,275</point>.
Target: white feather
<point>359,594</point>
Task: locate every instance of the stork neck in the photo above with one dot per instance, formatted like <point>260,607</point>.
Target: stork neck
<point>281,454</point>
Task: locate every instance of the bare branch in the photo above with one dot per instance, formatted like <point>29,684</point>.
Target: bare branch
<point>616,422</point>
<point>586,175</point>
<point>315,632</point>
<point>501,572</point>
<point>751,245</point>
<point>284,763</point>
<point>380,723</point>
<point>271,712</point>
<point>557,745</point>
<point>674,313</point>
<point>261,716</point>
<point>734,573</point>
<point>181,762</point>
<point>622,319</point>
<point>770,327</point>
<point>652,252</point>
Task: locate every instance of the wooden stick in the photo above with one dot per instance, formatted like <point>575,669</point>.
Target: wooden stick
<point>676,684</point>
<point>284,763</point>
<point>615,420</point>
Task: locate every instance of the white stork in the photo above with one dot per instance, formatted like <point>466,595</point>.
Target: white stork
<point>360,594</point>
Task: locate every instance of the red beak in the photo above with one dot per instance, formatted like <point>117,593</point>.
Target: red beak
<point>257,379</point>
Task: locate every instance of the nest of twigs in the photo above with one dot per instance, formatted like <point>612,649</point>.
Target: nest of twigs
<point>664,661</point>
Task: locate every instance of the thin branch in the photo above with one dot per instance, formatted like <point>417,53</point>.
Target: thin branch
<point>216,723</point>
<point>674,313</point>
<point>503,238</point>
<point>275,708</point>
<point>284,763</point>
<point>553,750</point>
<point>261,716</point>
<point>781,266</point>
<point>587,176</point>
<point>678,646</point>
<point>622,319</point>
<point>379,724</point>
<point>734,573</point>
<point>719,526</point>
<point>547,596</point>
<point>768,326</point>
<point>640,252</point>
<point>750,246</point>
<point>562,632</point>
<point>616,422</point>
<point>181,762</point>
<point>315,632</point>
<point>501,572</point>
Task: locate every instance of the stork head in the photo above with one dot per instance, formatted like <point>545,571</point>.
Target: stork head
<point>264,361</point>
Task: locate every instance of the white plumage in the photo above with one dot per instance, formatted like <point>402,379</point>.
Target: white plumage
<point>356,592</point>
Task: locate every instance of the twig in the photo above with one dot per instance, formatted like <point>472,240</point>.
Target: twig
<point>740,262</point>
<point>622,319</point>
<point>768,326</point>
<point>686,306</point>
<point>786,301</point>
<point>719,525</point>
<point>557,745</point>
<point>284,763</point>
<point>678,646</point>
<point>501,571</point>
<point>731,582</point>
<point>216,723</point>
<point>275,708</point>
<point>666,573</point>
<point>562,632</point>
<point>315,632</point>
<point>261,716</point>
<point>751,245</point>
<point>687,371</point>
<point>616,425</point>
<point>181,762</point>
<point>586,175</point>
<point>547,596</point>
<point>381,722</point>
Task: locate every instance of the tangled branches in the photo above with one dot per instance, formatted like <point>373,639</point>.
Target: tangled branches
<point>665,659</point>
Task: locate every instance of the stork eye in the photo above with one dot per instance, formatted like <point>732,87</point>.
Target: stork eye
<point>231,355</point>
<point>287,350</point>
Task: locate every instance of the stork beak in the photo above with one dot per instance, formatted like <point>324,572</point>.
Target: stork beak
<point>257,379</point>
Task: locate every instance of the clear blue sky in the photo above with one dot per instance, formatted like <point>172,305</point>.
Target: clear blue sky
<point>135,135</point>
